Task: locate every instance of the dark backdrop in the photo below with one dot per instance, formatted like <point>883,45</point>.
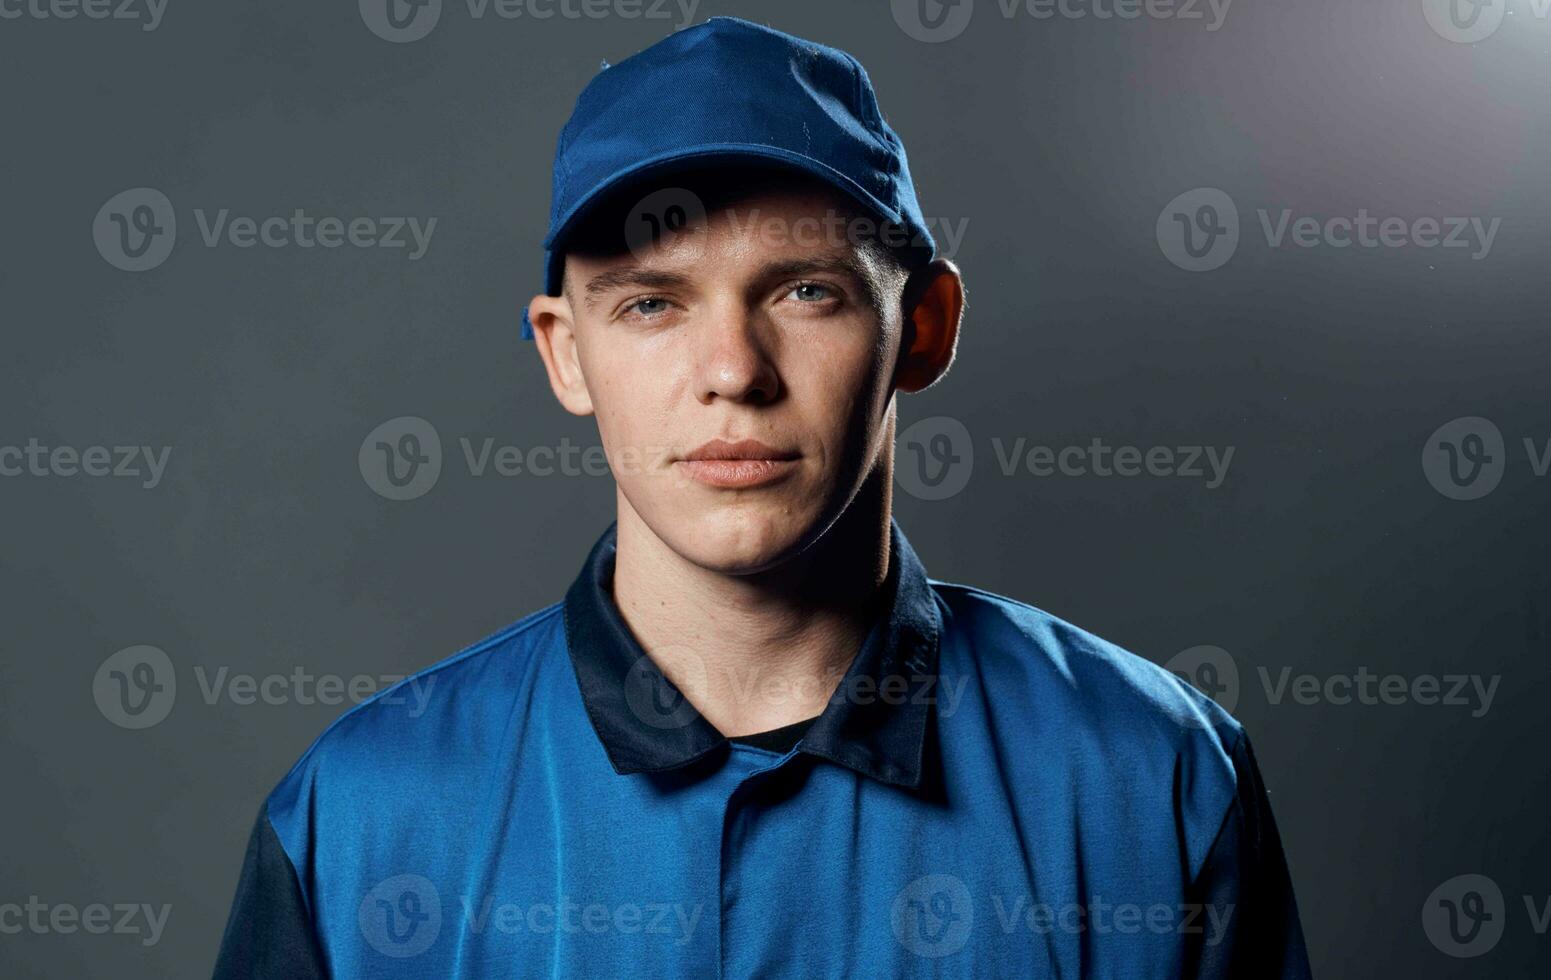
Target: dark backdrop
<point>1383,512</point>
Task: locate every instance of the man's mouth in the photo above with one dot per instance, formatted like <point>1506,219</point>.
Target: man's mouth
<point>737,465</point>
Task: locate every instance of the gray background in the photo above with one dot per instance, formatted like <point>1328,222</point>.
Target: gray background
<point>1060,141</point>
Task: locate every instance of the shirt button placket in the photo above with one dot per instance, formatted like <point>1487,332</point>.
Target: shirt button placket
<point>741,808</point>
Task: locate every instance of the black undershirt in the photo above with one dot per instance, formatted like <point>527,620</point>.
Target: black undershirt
<point>777,739</point>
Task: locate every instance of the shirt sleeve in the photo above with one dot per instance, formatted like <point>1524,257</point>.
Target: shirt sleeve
<point>1249,916</point>
<point>270,934</point>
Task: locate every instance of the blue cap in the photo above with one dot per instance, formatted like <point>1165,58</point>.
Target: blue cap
<point>729,89</point>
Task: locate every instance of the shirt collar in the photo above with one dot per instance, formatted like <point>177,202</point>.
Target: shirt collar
<point>875,723</point>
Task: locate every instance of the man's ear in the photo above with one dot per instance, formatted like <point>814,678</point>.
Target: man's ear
<point>933,303</point>
<point>554,333</point>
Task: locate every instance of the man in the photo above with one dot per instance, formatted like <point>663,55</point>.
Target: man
<point>755,739</point>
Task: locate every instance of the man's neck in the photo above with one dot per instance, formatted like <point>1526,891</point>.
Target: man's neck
<point>759,651</point>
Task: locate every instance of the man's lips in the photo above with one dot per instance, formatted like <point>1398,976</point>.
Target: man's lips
<point>737,465</point>
<point>742,449</point>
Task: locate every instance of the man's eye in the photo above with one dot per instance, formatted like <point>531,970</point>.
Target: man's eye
<point>649,306</point>
<point>811,292</point>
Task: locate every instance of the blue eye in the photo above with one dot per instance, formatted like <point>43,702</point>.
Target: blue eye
<point>649,306</point>
<point>810,292</point>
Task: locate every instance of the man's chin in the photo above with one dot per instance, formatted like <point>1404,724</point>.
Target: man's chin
<point>742,540</point>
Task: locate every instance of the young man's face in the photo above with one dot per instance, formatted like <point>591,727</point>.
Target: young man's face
<point>762,329</point>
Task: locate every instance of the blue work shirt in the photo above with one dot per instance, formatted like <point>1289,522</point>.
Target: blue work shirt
<point>990,792</point>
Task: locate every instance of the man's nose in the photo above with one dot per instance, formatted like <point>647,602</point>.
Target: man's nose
<point>734,359</point>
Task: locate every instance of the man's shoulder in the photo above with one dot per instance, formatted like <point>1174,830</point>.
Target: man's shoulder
<point>1101,722</point>
<point>1089,683</point>
<point>428,718</point>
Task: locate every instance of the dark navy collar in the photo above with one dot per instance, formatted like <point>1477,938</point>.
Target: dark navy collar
<point>875,724</point>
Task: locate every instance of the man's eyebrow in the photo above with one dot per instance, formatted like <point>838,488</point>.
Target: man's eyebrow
<point>845,266</point>
<point>616,278</point>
